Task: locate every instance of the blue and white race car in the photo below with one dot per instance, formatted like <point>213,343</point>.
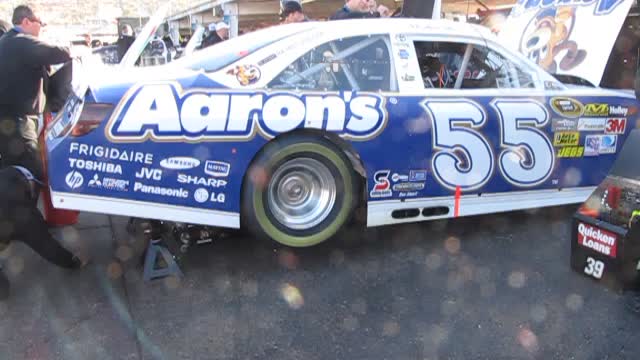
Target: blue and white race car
<point>285,131</point>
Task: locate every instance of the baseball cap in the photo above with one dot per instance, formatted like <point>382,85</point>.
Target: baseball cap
<point>290,7</point>
<point>221,25</point>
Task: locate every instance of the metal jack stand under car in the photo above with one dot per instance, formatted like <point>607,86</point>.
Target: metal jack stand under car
<point>605,242</point>
<point>164,239</point>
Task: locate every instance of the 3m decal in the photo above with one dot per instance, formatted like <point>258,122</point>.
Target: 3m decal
<point>382,186</point>
<point>597,239</point>
<point>571,152</point>
<point>596,110</point>
<point>162,112</point>
<point>566,139</point>
<point>615,126</point>
<point>567,107</point>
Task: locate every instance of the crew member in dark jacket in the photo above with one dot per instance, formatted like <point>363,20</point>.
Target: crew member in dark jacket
<point>360,9</point>
<point>20,220</point>
<point>24,64</point>
<point>125,40</point>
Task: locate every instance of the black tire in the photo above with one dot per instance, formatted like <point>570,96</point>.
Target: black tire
<point>260,210</point>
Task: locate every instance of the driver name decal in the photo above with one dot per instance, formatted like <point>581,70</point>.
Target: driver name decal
<point>161,112</point>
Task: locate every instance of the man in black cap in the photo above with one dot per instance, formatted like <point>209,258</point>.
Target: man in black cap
<point>292,13</point>
<point>20,220</point>
<point>360,9</point>
<point>24,65</point>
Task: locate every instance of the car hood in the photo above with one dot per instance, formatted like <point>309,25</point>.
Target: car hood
<point>566,38</point>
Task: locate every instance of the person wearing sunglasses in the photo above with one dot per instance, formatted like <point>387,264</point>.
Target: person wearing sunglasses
<point>24,70</point>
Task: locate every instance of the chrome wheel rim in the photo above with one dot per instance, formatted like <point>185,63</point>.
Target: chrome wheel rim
<point>301,193</point>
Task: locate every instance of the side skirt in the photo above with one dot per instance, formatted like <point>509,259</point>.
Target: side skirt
<point>145,210</point>
<point>389,212</point>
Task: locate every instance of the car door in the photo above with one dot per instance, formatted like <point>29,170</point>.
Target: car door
<point>488,129</point>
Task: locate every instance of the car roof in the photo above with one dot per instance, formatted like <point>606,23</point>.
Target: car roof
<point>393,25</point>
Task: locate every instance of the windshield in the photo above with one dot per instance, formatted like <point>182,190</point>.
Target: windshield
<point>222,54</point>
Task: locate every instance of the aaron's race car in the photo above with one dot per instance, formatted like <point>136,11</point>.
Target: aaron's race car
<point>287,130</point>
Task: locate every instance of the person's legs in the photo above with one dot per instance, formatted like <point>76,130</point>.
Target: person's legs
<point>36,235</point>
<point>19,143</point>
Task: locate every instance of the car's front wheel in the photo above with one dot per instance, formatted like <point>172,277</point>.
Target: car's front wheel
<point>299,191</point>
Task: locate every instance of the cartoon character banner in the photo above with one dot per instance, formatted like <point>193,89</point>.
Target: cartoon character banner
<point>573,37</point>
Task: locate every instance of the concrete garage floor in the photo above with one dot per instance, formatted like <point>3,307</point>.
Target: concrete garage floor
<point>487,287</point>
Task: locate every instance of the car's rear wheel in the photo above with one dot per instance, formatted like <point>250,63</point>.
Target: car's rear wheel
<point>299,191</point>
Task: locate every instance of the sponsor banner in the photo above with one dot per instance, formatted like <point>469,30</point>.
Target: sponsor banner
<point>558,125</point>
<point>108,183</point>
<point>382,186</point>
<point>99,166</point>
<point>608,144</point>
<point>571,152</point>
<point>201,181</point>
<point>592,124</point>
<point>149,174</point>
<point>217,168</point>
<point>180,163</point>
<point>566,139</point>
<point>418,175</point>
<point>592,145</point>
<point>596,110</point>
<point>601,144</point>
<point>616,126</point>
<point>160,190</point>
<point>163,112</point>
<point>74,179</point>
<point>558,35</point>
<point>410,186</point>
<point>567,107</point>
<point>107,154</point>
<point>616,110</point>
<point>597,239</point>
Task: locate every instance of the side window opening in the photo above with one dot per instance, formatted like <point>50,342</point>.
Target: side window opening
<point>358,63</point>
<point>441,65</point>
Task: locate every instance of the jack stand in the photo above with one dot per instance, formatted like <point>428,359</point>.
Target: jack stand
<point>171,266</point>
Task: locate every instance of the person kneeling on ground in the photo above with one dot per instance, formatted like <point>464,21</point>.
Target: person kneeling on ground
<point>21,220</point>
